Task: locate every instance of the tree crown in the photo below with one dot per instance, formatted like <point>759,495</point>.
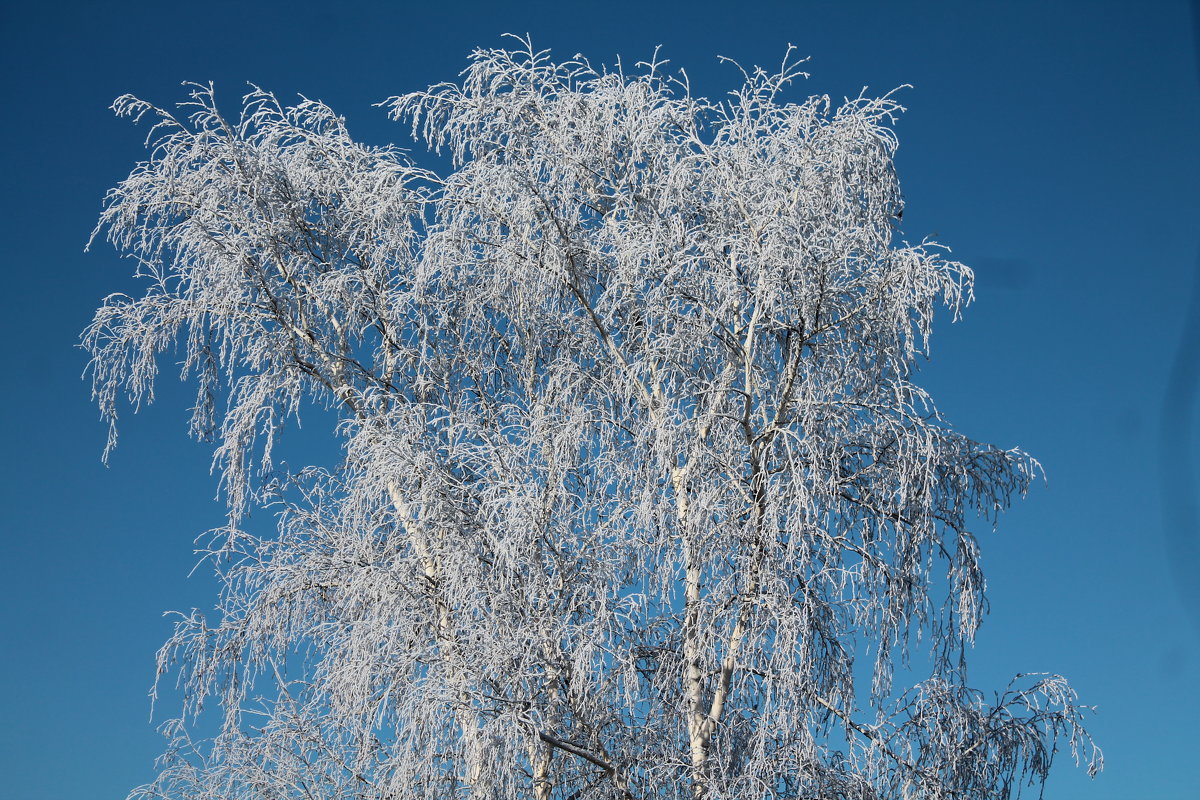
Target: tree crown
<point>635,472</point>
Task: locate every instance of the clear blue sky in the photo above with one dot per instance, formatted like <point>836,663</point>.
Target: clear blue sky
<point>1053,145</point>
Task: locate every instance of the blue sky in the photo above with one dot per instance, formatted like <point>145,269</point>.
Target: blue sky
<point>1051,145</point>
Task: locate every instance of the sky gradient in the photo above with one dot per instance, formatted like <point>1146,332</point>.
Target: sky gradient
<point>1051,145</point>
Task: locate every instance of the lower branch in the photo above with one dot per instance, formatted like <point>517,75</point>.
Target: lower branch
<point>609,769</point>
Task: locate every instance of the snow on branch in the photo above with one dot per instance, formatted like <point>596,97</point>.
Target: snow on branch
<point>636,475</point>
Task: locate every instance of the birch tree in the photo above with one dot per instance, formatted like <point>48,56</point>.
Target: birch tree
<point>638,498</point>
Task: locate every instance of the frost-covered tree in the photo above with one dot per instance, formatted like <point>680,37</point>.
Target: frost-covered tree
<point>637,500</point>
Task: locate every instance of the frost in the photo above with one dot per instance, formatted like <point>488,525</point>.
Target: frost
<point>634,467</point>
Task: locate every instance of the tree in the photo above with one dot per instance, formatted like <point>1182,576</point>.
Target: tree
<point>635,475</point>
